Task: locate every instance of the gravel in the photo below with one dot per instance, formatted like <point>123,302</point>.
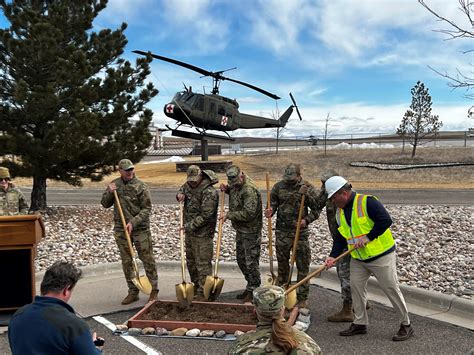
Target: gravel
<point>435,244</point>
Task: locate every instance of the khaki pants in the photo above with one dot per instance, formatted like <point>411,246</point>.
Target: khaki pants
<point>385,271</point>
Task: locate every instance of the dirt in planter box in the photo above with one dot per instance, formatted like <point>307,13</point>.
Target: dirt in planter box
<point>201,313</point>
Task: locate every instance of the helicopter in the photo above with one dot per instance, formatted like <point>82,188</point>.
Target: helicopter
<point>212,111</point>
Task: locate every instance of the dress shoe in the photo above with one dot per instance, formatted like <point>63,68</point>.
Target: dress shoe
<point>130,298</point>
<point>354,329</point>
<point>405,332</point>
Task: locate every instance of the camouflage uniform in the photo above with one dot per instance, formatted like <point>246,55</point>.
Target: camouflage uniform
<point>12,202</point>
<point>136,205</point>
<point>200,217</point>
<point>285,200</point>
<point>245,213</point>
<point>268,303</point>
<point>343,266</point>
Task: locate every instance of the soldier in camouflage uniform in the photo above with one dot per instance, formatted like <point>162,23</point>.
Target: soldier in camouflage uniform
<point>245,213</point>
<point>12,201</point>
<point>285,200</point>
<point>201,200</point>
<point>136,205</point>
<point>273,334</point>
<point>343,266</point>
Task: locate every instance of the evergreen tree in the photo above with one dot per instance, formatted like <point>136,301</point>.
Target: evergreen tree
<point>66,96</point>
<point>418,123</point>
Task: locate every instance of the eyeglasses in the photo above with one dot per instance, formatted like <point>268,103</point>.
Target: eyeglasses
<point>4,179</point>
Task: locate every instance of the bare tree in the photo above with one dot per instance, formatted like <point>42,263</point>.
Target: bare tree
<point>418,123</point>
<point>325,137</point>
<point>455,31</point>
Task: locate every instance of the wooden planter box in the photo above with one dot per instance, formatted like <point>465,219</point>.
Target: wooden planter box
<point>137,320</point>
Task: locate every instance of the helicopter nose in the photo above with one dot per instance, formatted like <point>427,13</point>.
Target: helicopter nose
<point>169,109</point>
<point>174,111</point>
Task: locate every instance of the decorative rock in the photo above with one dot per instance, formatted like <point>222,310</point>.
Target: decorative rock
<point>304,311</point>
<point>206,333</point>
<point>220,334</point>
<point>301,326</point>
<point>148,331</point>
<point>161,331</point>
<point>302,318</point>
<point>193,332</point>
<point>179,331</point>
<point>121,327</point>
<point>238,332</point>
<point>134,331</point>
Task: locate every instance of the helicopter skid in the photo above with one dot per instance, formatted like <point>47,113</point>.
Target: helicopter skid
<point>199,136</point>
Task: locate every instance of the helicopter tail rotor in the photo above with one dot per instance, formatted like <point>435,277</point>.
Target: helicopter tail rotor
<point>295,106</point>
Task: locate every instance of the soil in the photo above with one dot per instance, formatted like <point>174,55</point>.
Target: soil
<point>200,313</point>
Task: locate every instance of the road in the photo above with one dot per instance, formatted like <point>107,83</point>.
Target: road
<point>167,196</point>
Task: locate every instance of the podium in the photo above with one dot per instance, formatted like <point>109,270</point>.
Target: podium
<point>18,238</point>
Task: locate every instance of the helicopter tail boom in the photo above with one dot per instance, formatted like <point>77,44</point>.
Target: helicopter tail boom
<point>250,121</point>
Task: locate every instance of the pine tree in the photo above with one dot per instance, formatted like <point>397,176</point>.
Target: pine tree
<point>418,123</point>
<point>70,107</point>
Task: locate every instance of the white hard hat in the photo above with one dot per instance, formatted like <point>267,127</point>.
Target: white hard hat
<point>334,184</point>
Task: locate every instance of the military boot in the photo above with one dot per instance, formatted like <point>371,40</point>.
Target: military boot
<point>344,315</point>
<point>153,295</point>
<point>130,298</point>
<point>244,294</point>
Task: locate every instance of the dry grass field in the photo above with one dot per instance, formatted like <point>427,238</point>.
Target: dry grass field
<point>314,162</point>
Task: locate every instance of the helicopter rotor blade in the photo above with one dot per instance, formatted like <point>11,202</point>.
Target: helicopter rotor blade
<point>273,96</point>
<point>296,106</point>
<point>177,62</point>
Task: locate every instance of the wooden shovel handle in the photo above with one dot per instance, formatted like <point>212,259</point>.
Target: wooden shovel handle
<point>269,226</point>
<point>124,224</point>
<point>219,232</point>
<point>297,238</point>
<point>181,238</point>
<point>314,273</point>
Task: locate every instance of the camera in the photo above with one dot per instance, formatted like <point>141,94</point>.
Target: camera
<point>99,342</point>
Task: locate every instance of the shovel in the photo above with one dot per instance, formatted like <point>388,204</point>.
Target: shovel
<point>315,273</point>
<point>141,282</point>
<point>271,279</point>
<point>291,296</point>
<point>184,290</point>
<point>213,286</point>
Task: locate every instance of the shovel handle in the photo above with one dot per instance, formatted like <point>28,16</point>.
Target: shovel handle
<point>297,238</point>
<point>219,232</point>
<point>181,239</point>
<point>124,224</point>
<point>270,229</point>
<point>314,273</point>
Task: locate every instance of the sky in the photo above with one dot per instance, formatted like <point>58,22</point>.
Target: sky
<point>352,61</point>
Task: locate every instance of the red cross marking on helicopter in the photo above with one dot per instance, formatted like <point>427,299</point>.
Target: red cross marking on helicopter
<point>224,120</point>
<point>170,108</point>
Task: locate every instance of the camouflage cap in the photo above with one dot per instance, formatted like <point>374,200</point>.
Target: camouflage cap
<point>4,173</point>
<point>291,172</point>
<point>328,174</point>
<point>269,299</point>
<point>233,174</point>
<point>125,164</point>
<point>194,172</point>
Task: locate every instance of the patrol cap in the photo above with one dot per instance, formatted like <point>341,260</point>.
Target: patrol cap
<point>233,174</point>
<point>269,299</point>
<point>4,173</point>
<point>291,172</point>
<point>328,174</point>
<point>125,164</point>
<point>194,172</point>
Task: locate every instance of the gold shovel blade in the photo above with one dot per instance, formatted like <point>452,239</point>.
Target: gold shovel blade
<point>212,287</point>
<point>291,300</point>
<point>185,292</point>
<point>143,284</point>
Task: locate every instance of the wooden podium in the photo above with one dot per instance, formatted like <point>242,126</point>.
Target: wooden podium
<point>18,238</point>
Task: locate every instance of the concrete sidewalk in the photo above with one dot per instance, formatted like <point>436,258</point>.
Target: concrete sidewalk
<point>103,287</point>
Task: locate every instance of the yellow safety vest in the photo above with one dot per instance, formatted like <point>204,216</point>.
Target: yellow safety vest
<point>361,225</point>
